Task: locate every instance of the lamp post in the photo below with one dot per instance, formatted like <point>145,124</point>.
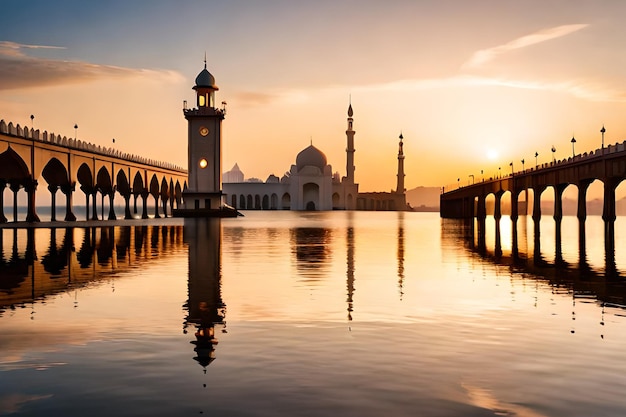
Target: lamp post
<point>536,163</point>
<point>458,183</point>
<point>522,165</point>
<point>553,151</point>
<point>573,142</point>
<point>482,176</point>
<point>499,172</point>
<point>511,165</point>
<point>32,121</point>
<point>75,131</point>
<point>601,131</point>
<point>472,175</point>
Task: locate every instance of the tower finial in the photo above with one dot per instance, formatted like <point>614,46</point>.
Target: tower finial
<point>204,59</point>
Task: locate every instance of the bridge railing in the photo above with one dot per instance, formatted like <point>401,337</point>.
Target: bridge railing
<point>600,152</point>
<point>72,143</point>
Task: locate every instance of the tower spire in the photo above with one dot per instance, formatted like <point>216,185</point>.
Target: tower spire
<point>204,59</point>
<point>400,184</point>
<point>350,145</point>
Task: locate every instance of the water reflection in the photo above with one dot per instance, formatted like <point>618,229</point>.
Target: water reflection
<point>204,305</point>
<point>311,248</point>
<point>103,252</point>
<point>580,279</point>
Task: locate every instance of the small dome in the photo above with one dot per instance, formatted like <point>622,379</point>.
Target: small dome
<point>205,79</point>
<point>311,156</point>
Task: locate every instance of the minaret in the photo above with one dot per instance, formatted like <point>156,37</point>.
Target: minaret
<point>203,196</point>
<point>350,149</point>
<point>400,185</point>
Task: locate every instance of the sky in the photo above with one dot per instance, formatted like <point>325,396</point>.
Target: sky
<point>471,85</point>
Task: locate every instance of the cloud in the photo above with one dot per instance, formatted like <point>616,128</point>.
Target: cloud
<point>18,70</point>
<point>479,58</point>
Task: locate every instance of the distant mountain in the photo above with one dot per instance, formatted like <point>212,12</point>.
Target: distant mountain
<point>424,198</point>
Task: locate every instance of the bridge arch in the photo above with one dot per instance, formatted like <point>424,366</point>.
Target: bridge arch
<point>87,186</point>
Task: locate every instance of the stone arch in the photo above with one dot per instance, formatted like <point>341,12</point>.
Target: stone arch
<point>139,190</point>
<point>249,202</point>
<point>14,172</point>
<point>55,174</point>
<point>85,179</point>
<point>257,202</point>
<point>154,191</point>
<point>286,201</point>
<point>165,195</point>
<point>242,201</point>
<point>265,203</point>
<point>274,201</point>
<point>233,201</point>
<point>104,185</point>
<point>336,200</point>
<point>311,194</point>
<point>123,187</point>
<point>178,193</point>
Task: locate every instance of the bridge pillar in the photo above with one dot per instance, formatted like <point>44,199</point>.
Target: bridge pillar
<point>538,190</point>
<point>127,214</point>
<point>164,203</point>
<point>156,206</point>
<point>608,215</point>
<point>497,209</point>
<point>3,218</point>
<point>144,197</point>
<point>68,190</point>
<point>112,215</point>
<point>94,208</point>
<point>31,187</point>
<point>514,205</point>
<point>481,215</point>
<point>15,187</point>
<point>558,201</point>
<point>581,212</point>
<point>53,197</point>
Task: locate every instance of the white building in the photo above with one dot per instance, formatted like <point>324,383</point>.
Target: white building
<point>309,184</point>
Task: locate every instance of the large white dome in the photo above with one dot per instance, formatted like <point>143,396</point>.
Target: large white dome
<point>311,156</point>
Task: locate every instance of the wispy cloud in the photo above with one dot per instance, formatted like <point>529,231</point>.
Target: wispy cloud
<point>19,70</point>
<point>479,58</point>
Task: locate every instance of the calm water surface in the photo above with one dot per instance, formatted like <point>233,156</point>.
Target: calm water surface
<point>311,314</point>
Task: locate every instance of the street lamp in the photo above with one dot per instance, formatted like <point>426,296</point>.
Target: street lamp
<point>553,151</point>
<point>32,119</point>
<point>511,165</point>
<point>536,163</point>
<point>522,165</point>
<point>601,131</point>
<point>75,131</point>
<point>472,175</point>
<point>499,172</point>
<point>573,142</point>
<point>482,176</point>
<point>458,183</point>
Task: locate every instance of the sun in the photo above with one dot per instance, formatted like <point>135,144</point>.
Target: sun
<point>492,154</point>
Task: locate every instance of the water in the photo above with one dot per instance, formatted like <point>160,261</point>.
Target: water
<point>310,314</point>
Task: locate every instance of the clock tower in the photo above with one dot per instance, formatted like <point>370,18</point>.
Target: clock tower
<point>203,195</point>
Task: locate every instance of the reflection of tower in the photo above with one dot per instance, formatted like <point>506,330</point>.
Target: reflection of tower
<point>350,265</point>
<point>401,254</point>
<point>204,306</point>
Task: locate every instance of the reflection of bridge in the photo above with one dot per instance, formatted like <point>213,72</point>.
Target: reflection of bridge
<point>76,257</point>
<point>578,278</point>
<point>28,155</point>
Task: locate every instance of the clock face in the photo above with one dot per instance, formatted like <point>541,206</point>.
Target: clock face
<point>204,131</point>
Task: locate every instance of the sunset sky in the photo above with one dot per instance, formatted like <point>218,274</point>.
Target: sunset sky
<point>472,85</point>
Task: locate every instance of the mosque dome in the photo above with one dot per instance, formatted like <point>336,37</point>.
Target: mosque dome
<point>205,79</point>
<point>311,156</point>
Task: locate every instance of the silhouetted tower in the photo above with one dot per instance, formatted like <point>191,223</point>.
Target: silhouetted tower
<point>400,185</point>
<point>350,148</point>
<point>204,187</point>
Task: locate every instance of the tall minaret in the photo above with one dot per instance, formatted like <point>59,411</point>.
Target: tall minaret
<point>203,196</point>
<point>400,185</point>
<point>350,148</point>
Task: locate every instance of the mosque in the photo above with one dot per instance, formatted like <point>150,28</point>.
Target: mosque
<point>311,185</point>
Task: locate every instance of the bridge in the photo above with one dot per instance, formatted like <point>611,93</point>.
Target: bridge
<point>28,156</point>
<point>607,165</point>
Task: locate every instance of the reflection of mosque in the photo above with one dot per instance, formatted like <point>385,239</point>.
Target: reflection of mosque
<point>311,247</point>
<point>204,305</point>
<point>102,252</point>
